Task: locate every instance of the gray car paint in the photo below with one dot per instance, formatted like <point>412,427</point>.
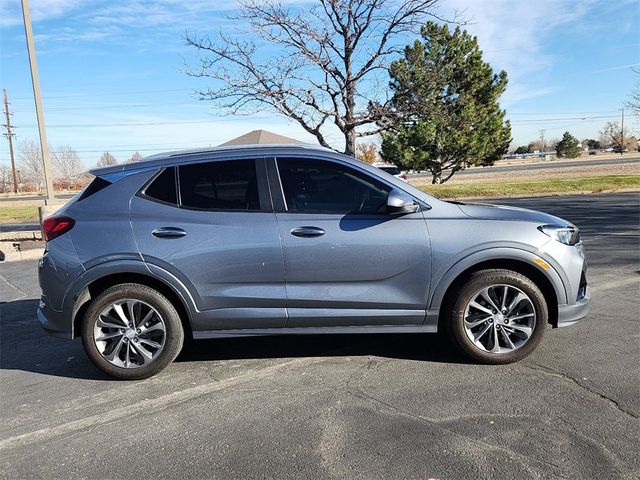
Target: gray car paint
<point>239,272</point>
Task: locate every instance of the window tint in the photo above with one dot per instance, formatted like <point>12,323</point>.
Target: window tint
<point>230,185</point>
<point>95,186</point>
<point>322,186</point>
<point>163,188</point>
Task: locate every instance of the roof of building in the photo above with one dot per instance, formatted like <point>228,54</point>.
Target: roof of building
<point>260,137</point>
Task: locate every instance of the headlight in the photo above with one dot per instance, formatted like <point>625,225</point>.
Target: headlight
<point>566,234</point>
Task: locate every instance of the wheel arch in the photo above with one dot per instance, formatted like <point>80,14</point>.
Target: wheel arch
<point>96,284</point>
<point>548,281</point>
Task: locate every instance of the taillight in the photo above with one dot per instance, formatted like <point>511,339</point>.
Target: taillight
<point>53,227</point>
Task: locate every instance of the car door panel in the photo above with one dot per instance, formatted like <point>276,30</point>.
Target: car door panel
<point>352,268</point>
<point>362,271</point>
<point>232,260</point>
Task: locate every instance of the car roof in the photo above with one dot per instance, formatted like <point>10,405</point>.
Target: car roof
<point>228,152</point>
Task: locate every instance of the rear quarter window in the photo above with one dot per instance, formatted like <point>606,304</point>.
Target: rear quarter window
<point>94,187</point>
<point>163,187</point>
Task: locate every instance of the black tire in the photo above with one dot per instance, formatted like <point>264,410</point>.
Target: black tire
<point>465,291</point>
<point>174,334</point>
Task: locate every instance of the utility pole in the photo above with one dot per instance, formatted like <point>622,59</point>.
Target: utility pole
<point>542,145</point>
<point>44,145</point>
<point>622,134</point>
<point>10,136</point>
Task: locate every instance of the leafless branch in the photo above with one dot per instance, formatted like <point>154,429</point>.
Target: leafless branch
<point>327,57</point>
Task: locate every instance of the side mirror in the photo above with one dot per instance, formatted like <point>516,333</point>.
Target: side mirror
<point>399,203</point>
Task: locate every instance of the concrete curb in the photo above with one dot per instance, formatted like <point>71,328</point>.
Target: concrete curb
<point>20,236</point>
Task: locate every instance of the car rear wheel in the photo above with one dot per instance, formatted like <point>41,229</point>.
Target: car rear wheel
<point>131,331</point>
<point>498,316</point>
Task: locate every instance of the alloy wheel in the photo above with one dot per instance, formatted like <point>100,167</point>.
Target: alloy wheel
<point>129,333</point>
<point>499,319</point>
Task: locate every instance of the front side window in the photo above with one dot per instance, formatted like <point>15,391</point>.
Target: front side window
<point>328,187</point>
<point>228,185</point>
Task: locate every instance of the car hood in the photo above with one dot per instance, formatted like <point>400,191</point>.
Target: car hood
<point>500,212</point>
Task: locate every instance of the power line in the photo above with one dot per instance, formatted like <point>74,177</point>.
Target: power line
<point>192,122</point>
<point>102,107</point>
<point>76,95</point>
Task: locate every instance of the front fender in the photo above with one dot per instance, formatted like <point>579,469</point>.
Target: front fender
<point>499,253</point>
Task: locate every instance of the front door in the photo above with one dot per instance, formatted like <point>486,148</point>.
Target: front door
<point>218,234</point>
<point>347,261</point>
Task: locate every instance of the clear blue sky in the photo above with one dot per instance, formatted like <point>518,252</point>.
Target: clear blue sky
<point>122,62</point>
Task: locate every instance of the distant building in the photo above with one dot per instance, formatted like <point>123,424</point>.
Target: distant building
<point>257,137</point>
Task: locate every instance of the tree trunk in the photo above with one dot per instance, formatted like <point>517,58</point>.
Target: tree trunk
<point>350,142</point>
<point>437,177</point>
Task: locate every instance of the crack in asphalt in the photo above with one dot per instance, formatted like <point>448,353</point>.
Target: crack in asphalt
<point>526,460</point>
<point>11,285</point>
<point>358,392</point>
<point>142,407</point>
<point>549,371</point>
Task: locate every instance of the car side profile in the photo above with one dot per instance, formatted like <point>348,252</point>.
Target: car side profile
<point>291,239</point>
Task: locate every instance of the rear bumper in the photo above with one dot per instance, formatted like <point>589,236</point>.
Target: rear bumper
<point>570,314</point>
<point>55,323</point>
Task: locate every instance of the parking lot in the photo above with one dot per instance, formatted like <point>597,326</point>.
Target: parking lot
<point>377,406</point>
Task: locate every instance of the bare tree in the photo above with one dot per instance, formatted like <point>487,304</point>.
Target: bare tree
<point>6,179</point>
<point>136,157</point>
<point>332,58</point>
<point>67,164</point>
<point>30,159</point>
<point>611,135</point>
<point>107,159</point>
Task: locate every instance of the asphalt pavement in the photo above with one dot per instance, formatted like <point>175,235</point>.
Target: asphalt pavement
<point>356,407</point>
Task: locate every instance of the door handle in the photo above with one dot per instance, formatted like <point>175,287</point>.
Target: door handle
<point>169,232</point>
<point>307,232</point>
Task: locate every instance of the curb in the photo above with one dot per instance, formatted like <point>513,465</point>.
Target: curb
<point>20,236</point>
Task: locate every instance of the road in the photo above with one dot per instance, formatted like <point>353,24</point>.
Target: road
<point>550,165</point>
<point>356,407</point>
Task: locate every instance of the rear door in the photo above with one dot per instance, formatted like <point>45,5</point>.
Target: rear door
<point>347,261</point>
<point>211,224</point>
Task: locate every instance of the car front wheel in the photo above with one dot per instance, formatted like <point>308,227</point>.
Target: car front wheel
<point>131,331</point>
<point>498,316</point>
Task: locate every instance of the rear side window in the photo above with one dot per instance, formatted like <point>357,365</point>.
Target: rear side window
<point>95,186</point>
<point>228,185</point>
<point>163,187</point>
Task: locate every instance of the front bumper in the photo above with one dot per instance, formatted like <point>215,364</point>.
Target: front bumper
<point>570,314</point>
<point>55,323</point>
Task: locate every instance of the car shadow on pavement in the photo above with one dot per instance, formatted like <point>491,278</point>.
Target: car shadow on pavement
<point>420,347</point>
<point>24,346</point>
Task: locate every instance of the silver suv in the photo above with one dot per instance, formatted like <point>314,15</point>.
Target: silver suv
<point>270,240</point>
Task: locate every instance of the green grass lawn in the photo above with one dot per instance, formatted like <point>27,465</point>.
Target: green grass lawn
<point>534,187</point>
<point>18,213</point>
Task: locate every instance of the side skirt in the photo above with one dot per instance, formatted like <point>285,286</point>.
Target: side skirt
<point>253,332</point>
